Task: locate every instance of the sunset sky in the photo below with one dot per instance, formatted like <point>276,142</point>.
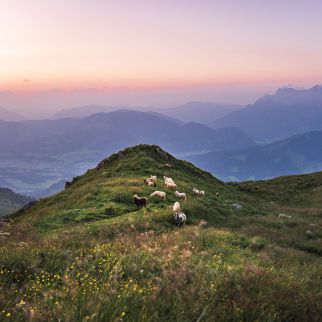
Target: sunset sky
<point>151,45</point>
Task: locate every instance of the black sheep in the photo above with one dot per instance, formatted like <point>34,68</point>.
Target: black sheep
<point>140,201</point>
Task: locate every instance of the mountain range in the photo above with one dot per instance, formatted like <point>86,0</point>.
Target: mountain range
<point>7,115</point>
<point>11,201</point>
<point>200,112</point>
<point>288,112</point>
<point>42,153</point>
<point>295,155</point>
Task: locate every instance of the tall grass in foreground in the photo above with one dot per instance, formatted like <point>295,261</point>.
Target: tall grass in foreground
<point>192,274</point>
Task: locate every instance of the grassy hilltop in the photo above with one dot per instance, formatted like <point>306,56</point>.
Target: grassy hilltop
<point>87,254</point>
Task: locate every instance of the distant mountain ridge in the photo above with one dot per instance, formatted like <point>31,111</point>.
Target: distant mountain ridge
<point>287,112</point>
<point>118,129</point>
<point>298,154</point>
<point>85,111</point>
<point>200,112</point>
<point>43,153</point>
<point>11,201</point>
<point>6,115</point>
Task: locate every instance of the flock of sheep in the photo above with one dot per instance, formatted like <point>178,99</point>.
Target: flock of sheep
<point>179,217</point>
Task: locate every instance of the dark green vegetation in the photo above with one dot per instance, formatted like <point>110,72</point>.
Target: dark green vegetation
<point>11,201</point>
<point>87,254</point>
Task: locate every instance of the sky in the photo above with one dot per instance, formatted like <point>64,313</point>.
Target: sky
<point>155,51</point>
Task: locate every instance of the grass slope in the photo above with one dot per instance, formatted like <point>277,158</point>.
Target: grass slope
<point>87,254</point>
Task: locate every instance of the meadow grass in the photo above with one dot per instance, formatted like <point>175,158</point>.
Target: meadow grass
<point>87,254</point>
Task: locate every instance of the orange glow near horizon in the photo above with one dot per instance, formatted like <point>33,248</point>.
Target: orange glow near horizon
<point>164,44</point>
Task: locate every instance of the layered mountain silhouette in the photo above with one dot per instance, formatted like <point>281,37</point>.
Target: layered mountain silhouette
<point>295,155</point>
<point>11,201</point>
<point>201,112</point>
<point>108,132</point>
<point>7,115</point>
<point>42,153</point>
<point>288,112</point>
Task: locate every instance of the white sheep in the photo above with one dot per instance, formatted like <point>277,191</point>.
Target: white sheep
<point>181,195</point>
<point>195,191</point>
<point>171,185</point>
<point>180,218</point>
<point>198,192</point>
<point>284,216</point>
<point>309,233</point>
<point>176,207</point>
<point>159,194</point>
<point>168,180</point>
<point>237,206</point>
<point>151,184</point>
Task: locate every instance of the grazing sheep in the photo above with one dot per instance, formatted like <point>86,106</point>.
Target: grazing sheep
<point>198,192</point>
<point>167,180</point>
<point>180,218</point>
<point>284,216</point>
<point>153,178</point>
<point>151,184</point>
<point>167,165</point>
<point>176,207</point>
<point>181,195</point>
<point>237,206</point>
<point>171,185</point>
<point>195,191</point>
<point>309,233</point>
<point>217,194</point>
<point>140,201</point>
<point>159,194</point>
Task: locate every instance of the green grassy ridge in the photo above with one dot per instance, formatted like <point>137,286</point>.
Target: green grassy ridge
<point>87,254</point>
<point>107,191</point>
<point>105,194</point>
<point>305,189</point>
